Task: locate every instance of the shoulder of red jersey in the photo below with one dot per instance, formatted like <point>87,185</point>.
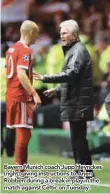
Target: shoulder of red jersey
<point>21,54</point>
<point>20,45</point>
<point>25,51</point>
<point>24,55</point>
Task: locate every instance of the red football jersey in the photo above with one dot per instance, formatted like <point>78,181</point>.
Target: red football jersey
<point>18,56</point>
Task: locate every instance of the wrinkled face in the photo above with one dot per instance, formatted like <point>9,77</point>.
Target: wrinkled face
<point>66,36</point>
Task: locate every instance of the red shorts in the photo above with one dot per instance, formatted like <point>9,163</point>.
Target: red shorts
<point>19,114</point>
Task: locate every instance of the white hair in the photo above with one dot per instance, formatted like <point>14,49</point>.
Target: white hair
<point>71,25</point>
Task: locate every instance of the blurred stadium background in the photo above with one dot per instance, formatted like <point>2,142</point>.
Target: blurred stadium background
<point>50,136</point>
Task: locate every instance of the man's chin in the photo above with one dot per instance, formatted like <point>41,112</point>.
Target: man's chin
<point>64,44</point>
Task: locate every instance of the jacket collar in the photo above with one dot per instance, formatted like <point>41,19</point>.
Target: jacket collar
<point>67,47</point>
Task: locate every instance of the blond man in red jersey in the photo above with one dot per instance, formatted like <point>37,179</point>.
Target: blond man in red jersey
<point>20,95</point>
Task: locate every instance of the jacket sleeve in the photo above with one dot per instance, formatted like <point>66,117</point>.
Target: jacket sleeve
<point>74,66</point>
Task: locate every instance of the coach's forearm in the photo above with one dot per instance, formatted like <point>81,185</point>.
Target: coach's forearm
<point>25,81</point>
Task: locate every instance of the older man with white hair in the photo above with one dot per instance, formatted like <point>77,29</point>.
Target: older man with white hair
<point>76,89</point>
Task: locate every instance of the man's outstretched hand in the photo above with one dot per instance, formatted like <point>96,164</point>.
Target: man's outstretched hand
<point>50,92</point>
<point>37,76</point>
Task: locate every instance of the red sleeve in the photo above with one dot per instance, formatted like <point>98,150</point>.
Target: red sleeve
<point>24,58</point>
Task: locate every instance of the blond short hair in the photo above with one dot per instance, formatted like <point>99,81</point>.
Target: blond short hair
<point>28,25</point>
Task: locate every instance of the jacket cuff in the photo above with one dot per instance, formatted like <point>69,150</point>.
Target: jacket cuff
<point>44,78</point>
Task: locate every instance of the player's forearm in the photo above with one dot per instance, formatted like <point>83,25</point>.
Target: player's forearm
<point>25,82</point>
